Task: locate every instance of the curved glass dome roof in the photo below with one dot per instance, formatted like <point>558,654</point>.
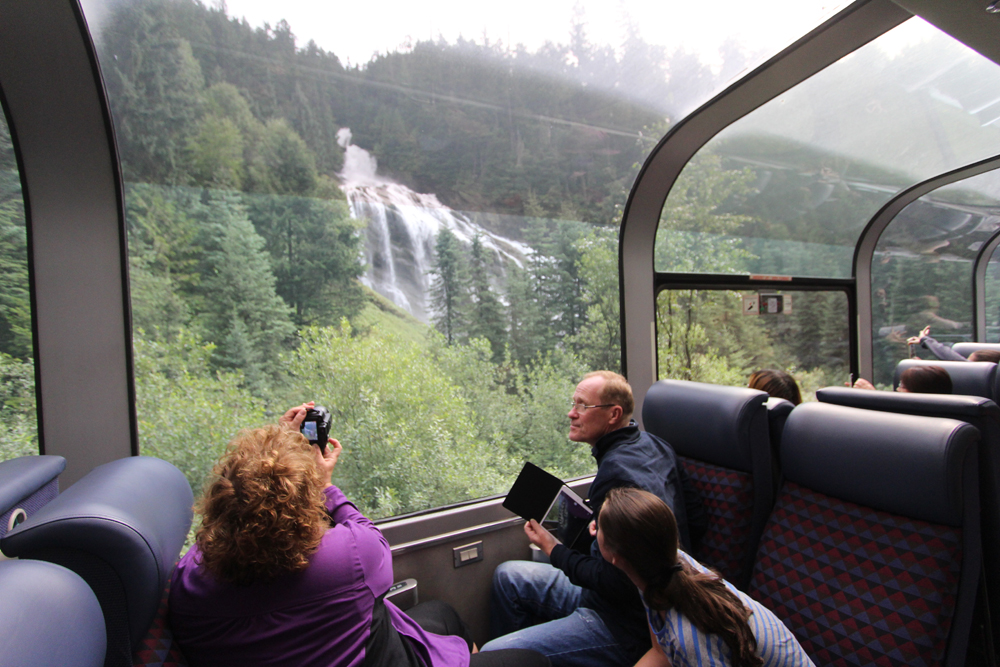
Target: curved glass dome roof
<point>788,189</point>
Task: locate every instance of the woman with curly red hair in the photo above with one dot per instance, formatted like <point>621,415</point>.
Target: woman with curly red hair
<point>287,571</point>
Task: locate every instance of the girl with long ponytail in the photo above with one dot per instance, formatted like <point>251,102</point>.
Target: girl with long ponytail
<point>696,618</point>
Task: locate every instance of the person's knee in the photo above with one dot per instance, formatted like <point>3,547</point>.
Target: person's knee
<point>507,576</point>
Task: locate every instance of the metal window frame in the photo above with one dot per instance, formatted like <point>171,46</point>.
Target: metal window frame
<point>60,121</point>
<point>864,253</point>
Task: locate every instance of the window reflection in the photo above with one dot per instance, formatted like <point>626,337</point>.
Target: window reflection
<point>922,269</point>
<point>793,183</point>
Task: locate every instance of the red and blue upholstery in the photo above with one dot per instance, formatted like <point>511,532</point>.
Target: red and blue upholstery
<point>872,553</point>
<point>721,438</point>
<point>158,648</point>
<point>985,416</point>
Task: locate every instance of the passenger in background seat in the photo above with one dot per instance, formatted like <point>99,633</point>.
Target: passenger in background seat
<point>287,571</point>
<point>945,353</point>
<point>695,617</point>
<point>581,610</point>
<point>918,380</point>
<point>778,384</point>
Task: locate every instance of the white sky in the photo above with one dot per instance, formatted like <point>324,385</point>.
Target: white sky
<point>356,30</point>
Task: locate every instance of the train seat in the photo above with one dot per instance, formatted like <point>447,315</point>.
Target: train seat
<point>968,378</point>
<point>965,349</point>
<point>778,410</point>
<point>982,413</point>
<point>872,553</point>
<point>26,484</point>
<point>721,438</point>
<point>49,616</point>
<point>121,527</point>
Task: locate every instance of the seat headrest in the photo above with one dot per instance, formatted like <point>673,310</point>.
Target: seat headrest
<point>951,406</point>
<point>969,378</point>
<point>965,349</point>
<point>49,616</point>
<point>133,513</point>
<point>778,407</point>
<point>21,477</point>
<point>901,464</point>
<point>709,422</point>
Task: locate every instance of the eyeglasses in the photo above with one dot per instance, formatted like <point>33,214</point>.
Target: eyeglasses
<point>580,407</point>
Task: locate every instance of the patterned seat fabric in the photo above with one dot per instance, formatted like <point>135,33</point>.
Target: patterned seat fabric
<point>858,586</point>
<point>727,496</point>
<point>158,648</point>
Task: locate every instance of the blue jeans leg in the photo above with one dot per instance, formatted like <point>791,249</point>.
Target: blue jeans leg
<point>578,640</point>
<point>526,593</point>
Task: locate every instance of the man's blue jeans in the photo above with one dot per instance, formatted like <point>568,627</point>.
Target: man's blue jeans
<point>525,593</point>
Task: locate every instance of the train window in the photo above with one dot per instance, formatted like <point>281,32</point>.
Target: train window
<point>788,188</point>
<point>722,336</point>
<point>423,239</point>
<point>18,417</point>
<point>922,270</point>
<point>992,293</point>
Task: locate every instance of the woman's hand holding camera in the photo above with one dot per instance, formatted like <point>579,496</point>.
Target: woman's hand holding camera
<point>326,459</point>
<point>294,417</point>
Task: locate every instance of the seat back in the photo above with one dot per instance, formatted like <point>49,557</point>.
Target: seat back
<point>121,528</point>
<point>872,553</point>
<point>965,349</point>
<point>982,413</point>
<point>778,410</point>
<point>720,435</point>
<point>26,484</point>
<point>968,378</point>
<point>49,616</point>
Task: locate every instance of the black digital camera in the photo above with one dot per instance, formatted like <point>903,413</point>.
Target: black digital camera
<point>316,426</point>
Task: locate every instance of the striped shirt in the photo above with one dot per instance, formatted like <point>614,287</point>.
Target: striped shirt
<point>687,646</point>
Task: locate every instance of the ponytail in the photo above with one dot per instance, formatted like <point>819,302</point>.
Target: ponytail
<point>640,528</point>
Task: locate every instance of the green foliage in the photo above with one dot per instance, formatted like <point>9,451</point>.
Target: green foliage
<point>448,290</point>
<point>18,418</point>
<point>314,249</point>
<point>155,90</point>
<point>244,316</point>
<point>486,316</point>
<point>599,341</point>
<point>406,429</point>
<point>215,154</point>
<point>15,302</point>
<point>188,412</point>
<point>694,233</point>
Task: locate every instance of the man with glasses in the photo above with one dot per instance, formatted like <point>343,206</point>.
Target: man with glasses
<point>581,610</point>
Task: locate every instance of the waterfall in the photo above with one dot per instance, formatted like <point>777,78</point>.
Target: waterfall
<point>402,231</point>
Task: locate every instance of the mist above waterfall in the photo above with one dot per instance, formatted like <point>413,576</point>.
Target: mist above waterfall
<point>402,229</point>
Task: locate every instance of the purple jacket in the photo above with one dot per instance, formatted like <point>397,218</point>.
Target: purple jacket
<point>318,617</point>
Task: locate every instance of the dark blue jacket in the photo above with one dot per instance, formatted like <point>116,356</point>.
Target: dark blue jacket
<point>633,458</point>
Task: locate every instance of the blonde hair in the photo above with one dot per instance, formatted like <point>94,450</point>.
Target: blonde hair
<point>616,390</point>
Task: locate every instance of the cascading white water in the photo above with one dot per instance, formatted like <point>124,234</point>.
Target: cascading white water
<point>402,231</point>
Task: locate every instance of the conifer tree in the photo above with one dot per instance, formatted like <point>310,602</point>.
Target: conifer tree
<point>486,316</point>
<point>448,295</point>
<point>242,314</point>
